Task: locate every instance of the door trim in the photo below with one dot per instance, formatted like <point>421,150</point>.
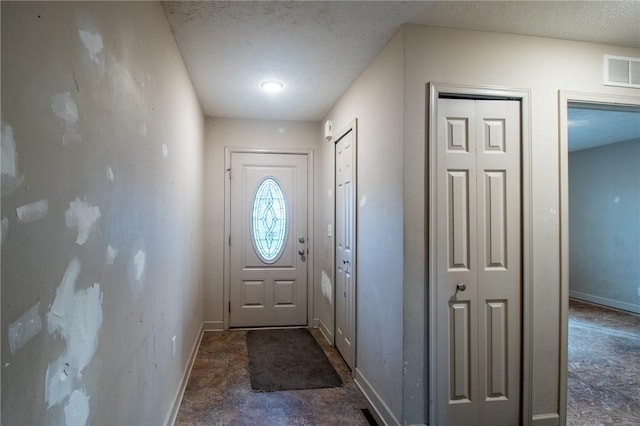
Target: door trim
<point>564,98</point>
<point>436,90</point>
<point>227,225</point>
<point>351,127</point>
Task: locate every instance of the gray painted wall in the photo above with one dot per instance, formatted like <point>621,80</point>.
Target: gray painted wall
<point>544,66</point>
<point>375,99</point>
<point>232,133</point>
<point>604,225</point>
<point>419,55</point>
<point>102,288</point>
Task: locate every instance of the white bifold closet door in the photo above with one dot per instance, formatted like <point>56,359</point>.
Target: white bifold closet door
<point>478,262</point>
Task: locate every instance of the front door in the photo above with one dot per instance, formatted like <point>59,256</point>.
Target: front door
<point>345,247</point>
<point>268,265</point>
<point>478,262</point>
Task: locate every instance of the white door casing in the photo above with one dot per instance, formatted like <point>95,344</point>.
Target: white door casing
<point>268,288</point>
<point>345,240</point>
<point>478,262</point>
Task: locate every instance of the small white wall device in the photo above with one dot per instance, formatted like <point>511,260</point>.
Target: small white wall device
<point>328,130</point>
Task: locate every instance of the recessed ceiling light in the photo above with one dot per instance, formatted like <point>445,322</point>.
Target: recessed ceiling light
<point>272,86</point>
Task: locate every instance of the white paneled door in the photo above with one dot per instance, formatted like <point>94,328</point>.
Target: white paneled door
<point>345,247</point>
<point>268,241</point>
<point>478,262</point>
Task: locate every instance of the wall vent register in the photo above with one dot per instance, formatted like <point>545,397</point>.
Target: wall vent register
<point>269,220</point>
<point>621,71</point>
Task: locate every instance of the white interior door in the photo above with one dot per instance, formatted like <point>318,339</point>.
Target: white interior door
<point>268,275</point>
<point>478,262</point>
<point>345,193</point>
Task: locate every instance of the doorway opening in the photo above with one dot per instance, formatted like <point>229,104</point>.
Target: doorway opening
<point>601,231</point>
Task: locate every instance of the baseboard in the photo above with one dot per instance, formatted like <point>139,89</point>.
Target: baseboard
<point>616,304</point>
<point>213,325</point>
<point>325,331</point>
<point>177,400</point>
<point>551,419</point>
<point>380,410</point>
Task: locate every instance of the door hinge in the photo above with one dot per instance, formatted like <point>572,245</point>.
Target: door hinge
<point>229,306</point>
<point>229,240</point>
<point>229,170</point>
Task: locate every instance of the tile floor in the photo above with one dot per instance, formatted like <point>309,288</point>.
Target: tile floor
<point>604,366</point>
<point>603,388</point>
<point>219,391</point>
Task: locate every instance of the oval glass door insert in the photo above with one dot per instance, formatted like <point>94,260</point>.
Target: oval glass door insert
<point>269,220</point>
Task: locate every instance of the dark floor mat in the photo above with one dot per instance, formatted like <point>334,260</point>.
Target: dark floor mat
<point>288,360</point>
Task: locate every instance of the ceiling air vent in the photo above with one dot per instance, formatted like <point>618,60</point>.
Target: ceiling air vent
<point>621,71</point>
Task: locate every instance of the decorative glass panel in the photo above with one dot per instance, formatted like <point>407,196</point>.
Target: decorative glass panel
<point>269,220</point>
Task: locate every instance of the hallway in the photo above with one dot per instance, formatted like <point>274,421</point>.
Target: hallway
<point>604,367</point>
<point>219,391</point>
<point>120,241</point>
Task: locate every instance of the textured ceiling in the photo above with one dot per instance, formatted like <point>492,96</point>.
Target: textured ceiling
<point>592,127</point>
<point>318,48</point>
<point>608,22</point>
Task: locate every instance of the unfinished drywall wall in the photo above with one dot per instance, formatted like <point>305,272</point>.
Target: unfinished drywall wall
<point>221,133</point>
<point>376,100</point>
<point>102,139</point>
<point>490,59</point>
<point>604,225</point>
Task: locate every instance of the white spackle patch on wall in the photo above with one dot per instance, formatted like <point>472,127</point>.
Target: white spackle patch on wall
<point>112,252</point>
<point>25,328</point>
<point>139,260</point>
<point>327,288</point>
<point>65,108</point>
<point>92,41</point>
<point>59,380</point>
<point>76,412</point>
<point>83,216</point>
<point>110,174</point>
<point>165,150</point>
<point>9,162</point>
<point>76,316</point>
<point>142,129</point>
<point>363,201</point>
<point>34,211</point>
<point>5,228</point>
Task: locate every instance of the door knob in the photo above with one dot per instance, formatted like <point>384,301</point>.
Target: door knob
<point>301,252</point>
<point>461,287</point>
<point>301,240</point>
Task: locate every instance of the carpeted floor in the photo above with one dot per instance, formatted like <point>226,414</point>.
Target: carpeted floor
<point>219,390</point>
<point>288,359</point>
<point>604,366</point>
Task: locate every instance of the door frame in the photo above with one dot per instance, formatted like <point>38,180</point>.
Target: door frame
<point>564,98</point>
<point>434,91</point>
<point>227,224</point>
<point>351,127</point>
